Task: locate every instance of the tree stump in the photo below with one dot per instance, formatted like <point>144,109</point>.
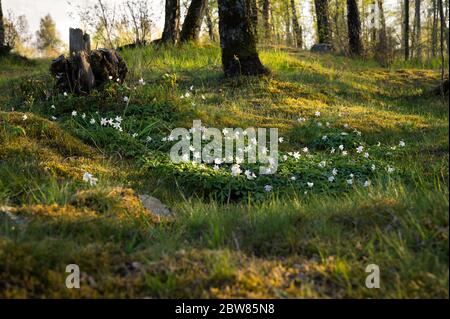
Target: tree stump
<point>79,41</point>
<point>83,72</point>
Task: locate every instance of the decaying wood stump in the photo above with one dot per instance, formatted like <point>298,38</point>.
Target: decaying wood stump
<point>83,72</point>
<point>79,41</point>
<point>108,63</point>
<point>86,70</point>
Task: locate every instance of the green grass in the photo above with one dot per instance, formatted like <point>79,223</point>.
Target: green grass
<point>226,237</point>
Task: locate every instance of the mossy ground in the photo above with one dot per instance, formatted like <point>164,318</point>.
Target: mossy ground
<point>283,244</point>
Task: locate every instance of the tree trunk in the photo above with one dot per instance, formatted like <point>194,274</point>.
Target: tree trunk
<point>253,13</point>
<point>444,84</point>
<point>373,27</point>
<point>446,28</point>
<point>238,43</point>
<point>296,25</point>
<point>382,50</point>
<point>266,19</point>
<point>3,49</point>
<point>193,21</point>
<point>354,28</point>
<point>417,30</point>
<point>434,30</point>
<point>338,25</point>
<point>323,25</point>
<point>209,23</point>
<point>406,29</point>
<point>287,25</point>
<point>171,31</point>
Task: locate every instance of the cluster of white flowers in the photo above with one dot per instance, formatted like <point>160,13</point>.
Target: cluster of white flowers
<point>116,122</point>
<point>236,169</point>
<point>89,178</point>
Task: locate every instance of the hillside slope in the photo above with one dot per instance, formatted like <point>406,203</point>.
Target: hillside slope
<point>228,236</point>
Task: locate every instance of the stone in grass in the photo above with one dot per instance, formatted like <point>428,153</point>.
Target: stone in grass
<point>10,214</point>
<point>154,205</point>
<point>322,48</point>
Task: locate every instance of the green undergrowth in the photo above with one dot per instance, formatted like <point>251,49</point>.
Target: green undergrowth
<point>362,179</point>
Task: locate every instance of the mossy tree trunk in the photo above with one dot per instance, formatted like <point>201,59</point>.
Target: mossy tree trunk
<point>193,21</point>
<point>323,23</point>
<point>238,43</point>
<point>171,33</point>
<point>354,28</point>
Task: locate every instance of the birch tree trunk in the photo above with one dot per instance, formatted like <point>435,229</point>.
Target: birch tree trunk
<point>237,40</point>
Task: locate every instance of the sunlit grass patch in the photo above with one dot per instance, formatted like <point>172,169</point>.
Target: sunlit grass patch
<point>307,235</point>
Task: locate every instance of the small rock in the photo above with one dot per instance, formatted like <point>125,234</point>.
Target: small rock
<point>9,212</point>
<point>154,205</point>
<point>322,48</point>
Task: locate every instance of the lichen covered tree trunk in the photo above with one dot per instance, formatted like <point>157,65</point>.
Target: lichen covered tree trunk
<point>193,21</point>
<point>238,43</point>
<point>354,28</point>
<point>323,24</point>
<point>171,32</point>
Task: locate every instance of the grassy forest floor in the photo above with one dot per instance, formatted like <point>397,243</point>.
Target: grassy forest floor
<point>227,237</point>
